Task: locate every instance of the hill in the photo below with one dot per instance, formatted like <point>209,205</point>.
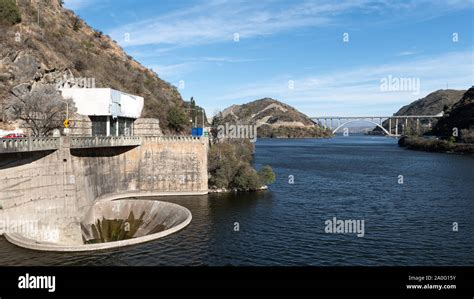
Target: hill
<point>50,44</point>
<point>459,116</point>
<point>273,119</point>
<point>434,103</point>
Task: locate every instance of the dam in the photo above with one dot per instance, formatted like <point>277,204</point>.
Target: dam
<point>52,190</point>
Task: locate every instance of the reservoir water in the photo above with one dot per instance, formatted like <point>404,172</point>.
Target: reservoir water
<point>417,208</point>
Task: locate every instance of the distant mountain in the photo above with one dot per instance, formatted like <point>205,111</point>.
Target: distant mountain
<point>273,119</point>
<point>434,103</point>
<point>57,45</point>
<point>459,116</point>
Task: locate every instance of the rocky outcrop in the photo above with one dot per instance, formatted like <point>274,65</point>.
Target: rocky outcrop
<point>63,50</point>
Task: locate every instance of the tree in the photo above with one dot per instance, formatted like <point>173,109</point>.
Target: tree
<point>246,178</point>
<point>177,118</point>
<point>230,167</point>
<point>41,110</point>
<point>266,174</point>
<point>9,13</point>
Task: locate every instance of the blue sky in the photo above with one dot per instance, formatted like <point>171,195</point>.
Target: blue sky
<point>295,51</point>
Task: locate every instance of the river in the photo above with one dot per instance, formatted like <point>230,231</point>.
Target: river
<point>411,204</point>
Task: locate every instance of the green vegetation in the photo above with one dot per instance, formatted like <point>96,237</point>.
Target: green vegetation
<point>435,145</point>
<point>267,175</point>
<point>230,167</point>
<point>177,118</point>
<point>266,131</point>
<point>9,12</point>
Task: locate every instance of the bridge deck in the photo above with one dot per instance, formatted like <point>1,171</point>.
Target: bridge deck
<point>376,117</point>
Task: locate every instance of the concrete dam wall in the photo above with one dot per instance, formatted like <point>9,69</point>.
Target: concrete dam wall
<point>56,188</point>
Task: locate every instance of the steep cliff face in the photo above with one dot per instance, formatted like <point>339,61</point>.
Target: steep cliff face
<point>434,103</point>
<point>273,119</point>
<point>51,45</point>
<point>459,119</point>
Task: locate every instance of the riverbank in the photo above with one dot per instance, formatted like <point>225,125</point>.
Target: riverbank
<point>435,145</point>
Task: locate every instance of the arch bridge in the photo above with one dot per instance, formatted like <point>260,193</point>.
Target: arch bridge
<point>401,122</point>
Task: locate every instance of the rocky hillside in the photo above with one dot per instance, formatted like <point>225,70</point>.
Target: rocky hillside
<point>273,119</point>
<point>57,46</point>
<point>459,116</point>
<point>434,103</point>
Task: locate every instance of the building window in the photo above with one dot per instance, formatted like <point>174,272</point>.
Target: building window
<point>99,125</point>
<point>125,126</point>
<point>113,126</point>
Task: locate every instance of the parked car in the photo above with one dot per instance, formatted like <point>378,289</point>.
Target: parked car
<point>14,135</point>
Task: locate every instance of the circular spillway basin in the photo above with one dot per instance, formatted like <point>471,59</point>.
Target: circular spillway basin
<point>111,224</point>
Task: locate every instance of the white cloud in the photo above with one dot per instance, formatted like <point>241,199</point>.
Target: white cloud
<point>176,71</point>
<point>217,21</point>
<point>407,53</point>
<point>357,91</point>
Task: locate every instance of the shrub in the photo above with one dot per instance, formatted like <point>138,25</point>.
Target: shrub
<point>230,168</point>
<point>105,45</point>
<point>246,178</point>
<point>266,174</point>
<point>76,23</point>
<point>9,12</point>
<point>177,119</point>
<point>79,65</point>
<point>98,34</point>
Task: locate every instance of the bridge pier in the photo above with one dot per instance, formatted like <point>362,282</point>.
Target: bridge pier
<point>396,126</point>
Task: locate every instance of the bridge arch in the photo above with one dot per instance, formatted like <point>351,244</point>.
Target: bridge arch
<point>353,120</point>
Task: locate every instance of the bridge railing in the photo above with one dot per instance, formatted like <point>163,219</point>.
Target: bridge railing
<point>155,139</point>
<point>30,144</point>
<point>98,141</point>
